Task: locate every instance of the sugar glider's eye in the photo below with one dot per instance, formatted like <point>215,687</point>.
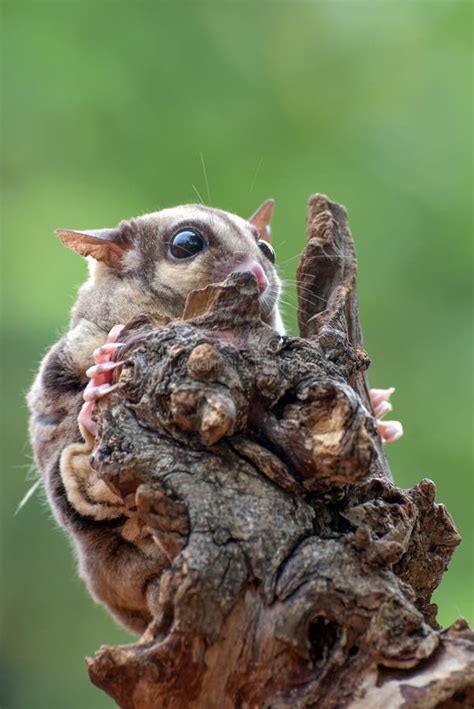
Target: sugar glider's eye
<point>266,250</point>
<point>187,243</point>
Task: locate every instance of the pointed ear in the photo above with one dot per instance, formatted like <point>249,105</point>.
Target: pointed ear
<point>101,244</point>
<point>261,219</point>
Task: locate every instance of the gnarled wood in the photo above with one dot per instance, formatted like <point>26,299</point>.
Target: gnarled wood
<point>299,575</point>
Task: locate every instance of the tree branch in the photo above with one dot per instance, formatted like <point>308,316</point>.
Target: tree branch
<point>298,574</point>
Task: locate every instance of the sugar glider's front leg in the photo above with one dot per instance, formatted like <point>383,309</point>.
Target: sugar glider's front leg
<point>55,400</point>
<point>117,559</point>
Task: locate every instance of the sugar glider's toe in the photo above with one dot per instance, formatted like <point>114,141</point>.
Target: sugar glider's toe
<point>85,419</point>
<point>380,396</point>
<point>102,373</point>
<point>390,431</point>
<point>92,392</point>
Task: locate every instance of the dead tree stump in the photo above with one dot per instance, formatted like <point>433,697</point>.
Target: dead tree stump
<point>296,573</point>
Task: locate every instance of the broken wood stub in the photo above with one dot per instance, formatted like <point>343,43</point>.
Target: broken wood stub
<point>299,575</point>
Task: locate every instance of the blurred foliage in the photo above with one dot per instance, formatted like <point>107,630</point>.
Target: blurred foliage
<point>107,107</point>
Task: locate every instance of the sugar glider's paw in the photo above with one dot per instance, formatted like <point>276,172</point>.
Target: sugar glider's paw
<point>390,431</point>
<point>100,375</point>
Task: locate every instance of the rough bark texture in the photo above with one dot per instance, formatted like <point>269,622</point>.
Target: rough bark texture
<point>299,574</point>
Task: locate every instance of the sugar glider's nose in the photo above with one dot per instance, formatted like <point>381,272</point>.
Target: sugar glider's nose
<point>255,268</point>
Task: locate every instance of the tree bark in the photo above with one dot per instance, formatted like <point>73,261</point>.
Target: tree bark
<point>298,573</point>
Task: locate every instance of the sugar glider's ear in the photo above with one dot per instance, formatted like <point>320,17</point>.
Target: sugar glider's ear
<point>102,244</point>
<point>261,219</point>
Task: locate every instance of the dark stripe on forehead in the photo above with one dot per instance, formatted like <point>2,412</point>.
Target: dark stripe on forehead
<point>227,219</point>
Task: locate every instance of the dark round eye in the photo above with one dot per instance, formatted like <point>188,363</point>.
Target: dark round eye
<point>266,250</point>
<point>187,243</point>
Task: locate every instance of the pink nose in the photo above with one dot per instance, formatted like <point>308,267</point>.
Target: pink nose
<point>259,274</point>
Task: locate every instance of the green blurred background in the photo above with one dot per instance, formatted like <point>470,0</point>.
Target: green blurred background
<point>107,108</point>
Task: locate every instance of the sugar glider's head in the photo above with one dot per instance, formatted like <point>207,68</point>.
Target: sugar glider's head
<point>174,251</point>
